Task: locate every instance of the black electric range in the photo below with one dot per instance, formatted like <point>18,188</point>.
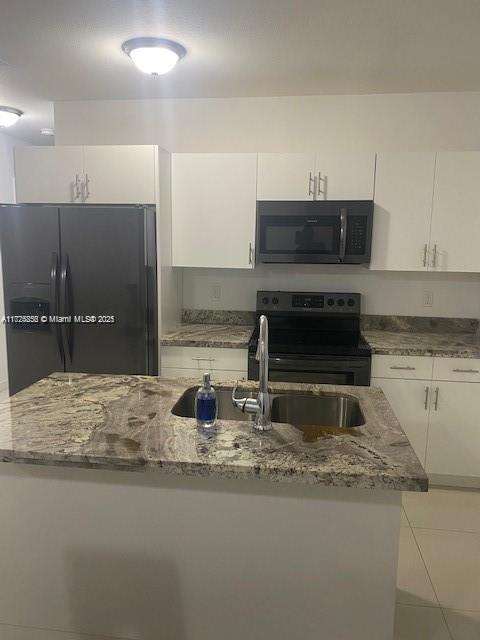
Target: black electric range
<point>313,337</point>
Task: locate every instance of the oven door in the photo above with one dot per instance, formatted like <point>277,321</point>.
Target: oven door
<point>339,370</point>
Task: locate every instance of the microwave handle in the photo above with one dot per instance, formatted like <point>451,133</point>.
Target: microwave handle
<point>343,233</point>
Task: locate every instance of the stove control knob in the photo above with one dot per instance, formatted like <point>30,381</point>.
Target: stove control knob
<point>330,302</point>
<point>341,302</point>
<point>275,300</point>
<point>265,300</point>
<point>351,302</point>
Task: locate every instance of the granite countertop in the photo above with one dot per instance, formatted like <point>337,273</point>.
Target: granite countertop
<point>125,422</point>
<point>382,342</point>
<point>208,335</point>
<point>443,345</point>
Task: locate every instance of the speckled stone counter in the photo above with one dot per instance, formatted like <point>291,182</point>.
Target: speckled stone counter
<point>125,422</point>
<point>421,343</point>
<point>442,345</point>
<point>208,335</point>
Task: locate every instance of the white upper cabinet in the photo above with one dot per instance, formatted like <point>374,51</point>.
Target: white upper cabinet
<point>214,209</point>
<point>315,176</point>
<point>286,176</point>
<point>455,235</point>
<point>120,174</point>
<point>344,176</point>
<point>49,174</point>
<point>403,210</point>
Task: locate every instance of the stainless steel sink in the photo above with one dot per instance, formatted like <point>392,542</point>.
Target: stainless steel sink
<point>313,415</point>
<point>185,406</point>
<point>326,411</point>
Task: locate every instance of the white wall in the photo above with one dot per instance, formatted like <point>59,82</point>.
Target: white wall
<point>433,121</point>
<point>7,196</point>
<point>424,121</point>
<point>383,293</point>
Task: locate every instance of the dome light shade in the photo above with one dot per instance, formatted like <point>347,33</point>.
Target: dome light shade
<point>9,115</point>
<point>155,56</point>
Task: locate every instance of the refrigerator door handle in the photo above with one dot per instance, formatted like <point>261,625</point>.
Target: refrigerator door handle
<point>54,297</point>
<point>66,311</point>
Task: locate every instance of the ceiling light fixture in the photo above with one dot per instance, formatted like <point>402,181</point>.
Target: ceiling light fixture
<point>9,115</point>
<point>155,56</point>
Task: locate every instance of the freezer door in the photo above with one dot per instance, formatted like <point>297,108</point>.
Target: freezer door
<point>103,286</point>
<point>30,261</point>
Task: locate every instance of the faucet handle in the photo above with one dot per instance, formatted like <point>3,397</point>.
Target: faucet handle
<point>238,402</point>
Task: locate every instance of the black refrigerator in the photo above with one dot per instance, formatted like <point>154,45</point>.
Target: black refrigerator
<point>80,290</point>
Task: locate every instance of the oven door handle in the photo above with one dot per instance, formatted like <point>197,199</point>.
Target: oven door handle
<point>326,365</point>
<point>343,234</point>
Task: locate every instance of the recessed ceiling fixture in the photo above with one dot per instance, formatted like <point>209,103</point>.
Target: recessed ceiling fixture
<point>154,55</point>
<point>9,115</point>
<point>47,132</point>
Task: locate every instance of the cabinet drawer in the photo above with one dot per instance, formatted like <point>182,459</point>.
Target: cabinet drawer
<point>405,367</point>
<point>196,374</point>
<point>457,369</point>
<point>204,358</point>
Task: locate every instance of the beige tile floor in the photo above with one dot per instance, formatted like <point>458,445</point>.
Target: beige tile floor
<point>438,584</point>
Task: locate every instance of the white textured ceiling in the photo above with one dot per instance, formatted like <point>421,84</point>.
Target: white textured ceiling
<point>70,49</point>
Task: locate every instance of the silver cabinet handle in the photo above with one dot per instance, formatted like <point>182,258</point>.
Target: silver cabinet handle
<point>434,259</point>
<point>425,252</point>
<point>435,402</point>
<point>427,393</point>
<point>320,191</point>
<point>250,253</point>
<point>403,368</point>
<point>78,187</point>
<point>86,192</point>
<point>466,371</point>
<point>311,192</point>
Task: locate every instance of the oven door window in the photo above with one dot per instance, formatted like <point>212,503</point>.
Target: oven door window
<point>304,235</point>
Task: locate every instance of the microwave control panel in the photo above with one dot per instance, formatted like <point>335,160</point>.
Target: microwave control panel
<point>356,236</point>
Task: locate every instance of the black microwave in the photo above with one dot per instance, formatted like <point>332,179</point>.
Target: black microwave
<point>314,232</point>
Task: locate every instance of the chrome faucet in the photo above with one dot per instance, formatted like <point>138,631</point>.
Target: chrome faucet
<point>261,406</point>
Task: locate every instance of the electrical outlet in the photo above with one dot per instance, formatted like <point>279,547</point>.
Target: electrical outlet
<point>428,298</point>
<point>216,292</point>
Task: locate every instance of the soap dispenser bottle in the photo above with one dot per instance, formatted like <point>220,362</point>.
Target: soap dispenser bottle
<point>206,404</point>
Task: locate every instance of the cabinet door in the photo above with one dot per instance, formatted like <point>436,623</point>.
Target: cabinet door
<point>454,432</point>
<point>213,209</point>
<point>345,176</point>
<point>403,211</point>
<point>455,236</point>
<point>119,174</point>
<point>286,176</point>
<point>409,400</point>
<point>48,174</point>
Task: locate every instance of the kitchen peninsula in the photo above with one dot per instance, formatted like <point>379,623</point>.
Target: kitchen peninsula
<point>239,533</point>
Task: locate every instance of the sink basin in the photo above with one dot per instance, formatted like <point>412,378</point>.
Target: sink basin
<point>185,406</point>
<point>313,415</point>
<point>326,411</point>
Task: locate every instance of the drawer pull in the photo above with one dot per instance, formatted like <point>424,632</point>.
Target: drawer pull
<point>466,371</point>
<point>204,359</point>
<point>403,368</point>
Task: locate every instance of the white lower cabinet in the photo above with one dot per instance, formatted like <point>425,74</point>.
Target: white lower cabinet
<point>410,401</point>
<point>191,362</point>
<point>439,414</point>
<point>454,432</point>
